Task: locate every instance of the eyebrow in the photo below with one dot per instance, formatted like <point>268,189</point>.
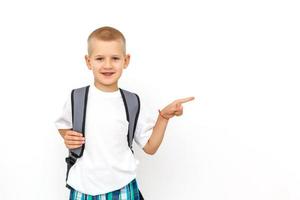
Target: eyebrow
<point>103,55</point>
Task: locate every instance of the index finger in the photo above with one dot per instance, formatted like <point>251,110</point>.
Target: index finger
<point>184,100</point>
<point>75,133</point>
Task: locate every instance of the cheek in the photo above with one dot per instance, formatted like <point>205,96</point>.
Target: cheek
<point>97,66</point>
<point>119,66</point>
<point>119,71</point>
<point>96,70</point>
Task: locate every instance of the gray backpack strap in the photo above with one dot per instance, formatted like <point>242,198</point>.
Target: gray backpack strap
<point>132,106</point>
<point>79,98</point>
<point>79,101</point>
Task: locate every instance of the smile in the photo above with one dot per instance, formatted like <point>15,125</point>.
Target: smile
<point>107,73</point>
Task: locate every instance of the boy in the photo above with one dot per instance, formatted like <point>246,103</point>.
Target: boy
<point>107,167</point>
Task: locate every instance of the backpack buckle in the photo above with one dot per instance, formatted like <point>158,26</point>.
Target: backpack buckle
<point>71,159</point>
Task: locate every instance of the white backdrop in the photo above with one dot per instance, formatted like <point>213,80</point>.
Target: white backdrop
<point>238,140</point>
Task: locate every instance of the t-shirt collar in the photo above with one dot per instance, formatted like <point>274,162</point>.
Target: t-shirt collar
<point>99,92</point>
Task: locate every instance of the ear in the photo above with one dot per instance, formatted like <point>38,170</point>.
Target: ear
<point>127,60</point>
<point>88,62</point>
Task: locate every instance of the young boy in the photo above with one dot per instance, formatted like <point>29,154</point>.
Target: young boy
<point>107,168</point>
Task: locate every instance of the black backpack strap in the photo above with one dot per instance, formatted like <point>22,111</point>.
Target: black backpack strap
<point>132,107</point>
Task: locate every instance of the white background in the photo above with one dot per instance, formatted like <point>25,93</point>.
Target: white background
<point>238,140</point>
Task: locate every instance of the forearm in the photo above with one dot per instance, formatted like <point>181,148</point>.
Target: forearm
<point>157,135</point>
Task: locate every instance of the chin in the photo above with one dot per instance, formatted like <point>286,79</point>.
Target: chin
<point>108,83</point>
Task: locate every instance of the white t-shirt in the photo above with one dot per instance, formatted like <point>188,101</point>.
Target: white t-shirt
<point>107,163</point>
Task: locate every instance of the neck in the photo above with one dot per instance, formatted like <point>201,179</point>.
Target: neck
<point>106,88</point>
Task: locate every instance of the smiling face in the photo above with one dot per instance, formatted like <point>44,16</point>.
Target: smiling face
<point>107,60</point>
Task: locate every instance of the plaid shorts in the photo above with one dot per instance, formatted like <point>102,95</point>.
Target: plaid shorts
<point>128,192</point>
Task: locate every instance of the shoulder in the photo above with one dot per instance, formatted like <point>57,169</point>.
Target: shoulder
<point>129,95</point>
<point>80,91</point>
<point>80,88</point>
<point>128,92</point>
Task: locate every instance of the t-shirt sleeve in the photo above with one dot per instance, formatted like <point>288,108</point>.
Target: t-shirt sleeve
<point>64,120</point>
<point>145,125</point>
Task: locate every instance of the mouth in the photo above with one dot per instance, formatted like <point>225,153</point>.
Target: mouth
<point>107,74</point>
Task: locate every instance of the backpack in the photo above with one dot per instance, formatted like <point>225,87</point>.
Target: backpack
<point>79,97</point>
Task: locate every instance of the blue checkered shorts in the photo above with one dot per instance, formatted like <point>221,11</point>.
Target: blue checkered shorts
<point>128,192</point>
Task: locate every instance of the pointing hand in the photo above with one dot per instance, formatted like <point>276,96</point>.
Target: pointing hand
<point>174,108</point>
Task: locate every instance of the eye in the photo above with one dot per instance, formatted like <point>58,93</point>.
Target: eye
<point>116,58</point>
<point>100,59</point>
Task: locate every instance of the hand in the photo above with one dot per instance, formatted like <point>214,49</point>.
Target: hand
<point>73,139</point>
<point>175,108</point>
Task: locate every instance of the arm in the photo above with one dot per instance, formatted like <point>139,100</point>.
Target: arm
<point>175,108</point>
<point>157,135</point>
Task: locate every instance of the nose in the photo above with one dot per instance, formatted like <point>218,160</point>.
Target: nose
<point>107,64</point>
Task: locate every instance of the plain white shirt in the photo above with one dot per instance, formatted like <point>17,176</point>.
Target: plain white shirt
<point>107,163</point>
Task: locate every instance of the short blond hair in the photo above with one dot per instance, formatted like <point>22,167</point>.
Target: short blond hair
<point>106,33</point>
